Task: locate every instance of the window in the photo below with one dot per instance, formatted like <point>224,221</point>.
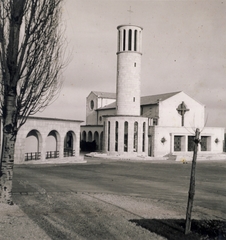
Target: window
<point>119,40</point>
<point>109,130</point>
<point>155,121</point>
<point>116,136</point>
<point>126,137</point>
<point>100,118</point>
<point>135,137</point>
<point>135,40</point>
<point>190,143</point>
<point>130,40</point>
<point>143,136</point>
<point>205,143</point>
<point>91,104</point>
<point>124,40</point>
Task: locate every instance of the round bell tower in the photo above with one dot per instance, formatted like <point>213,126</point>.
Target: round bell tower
<point>126,132</point>
<point>128,70</point>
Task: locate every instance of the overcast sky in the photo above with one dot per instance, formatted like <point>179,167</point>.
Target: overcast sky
<point>184,48</point>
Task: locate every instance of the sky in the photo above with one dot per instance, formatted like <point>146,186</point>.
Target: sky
<point>184,49</point>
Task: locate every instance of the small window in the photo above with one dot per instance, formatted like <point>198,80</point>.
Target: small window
<point>100,118</point>
<point>91,104</point>
<point>155,121</point>
<point>135,64</point>
<point>134,99</point>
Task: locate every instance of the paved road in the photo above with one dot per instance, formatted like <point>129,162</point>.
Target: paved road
<point>163,181</point>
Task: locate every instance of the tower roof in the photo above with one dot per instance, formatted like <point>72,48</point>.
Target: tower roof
<point>129,25</point>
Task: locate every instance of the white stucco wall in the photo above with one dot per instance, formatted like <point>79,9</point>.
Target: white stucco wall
<point>102,102</point>
<point>169,116</point>
<point>91,114</point>
<point>44,126</point>
<point>168,133</point>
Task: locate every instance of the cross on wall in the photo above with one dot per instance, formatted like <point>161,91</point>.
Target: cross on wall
<point>182,109</point>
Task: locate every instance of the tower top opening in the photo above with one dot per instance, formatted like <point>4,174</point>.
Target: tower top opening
<point>129,38</point>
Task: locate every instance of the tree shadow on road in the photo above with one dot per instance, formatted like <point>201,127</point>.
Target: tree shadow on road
<point>173,229</point>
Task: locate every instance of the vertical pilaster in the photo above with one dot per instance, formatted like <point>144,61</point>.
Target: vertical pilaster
<point>120,136</point>
<point>112,136</point>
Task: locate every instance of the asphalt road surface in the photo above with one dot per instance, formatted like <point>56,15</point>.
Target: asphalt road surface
<point>163,181</point>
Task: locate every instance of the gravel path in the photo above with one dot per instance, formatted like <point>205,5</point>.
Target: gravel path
<point>83,215</point>
<point>78,216</point>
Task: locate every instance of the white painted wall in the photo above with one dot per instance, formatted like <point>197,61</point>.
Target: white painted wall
<point>44,126</point>
<point>91,114</point>
<point>92,117</point>
<point>162,149</point>
<point>169,116</point>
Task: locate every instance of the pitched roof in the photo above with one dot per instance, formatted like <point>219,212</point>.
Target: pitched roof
<point>109,106</point>
<point>146,100</point>
<point>153,99</point>
<point>105,94</point>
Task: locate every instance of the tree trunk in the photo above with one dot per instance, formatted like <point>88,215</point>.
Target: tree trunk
<point>7,157</point>
<point>9,111</point>
<point>191,193</point>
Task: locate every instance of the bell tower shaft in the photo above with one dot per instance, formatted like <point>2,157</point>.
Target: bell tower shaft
<point>128,70</point>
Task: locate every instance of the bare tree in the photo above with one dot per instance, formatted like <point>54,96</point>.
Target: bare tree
<point>191,192</point>
<point>31,49</point>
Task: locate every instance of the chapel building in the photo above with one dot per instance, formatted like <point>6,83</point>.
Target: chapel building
<point>126,124</point>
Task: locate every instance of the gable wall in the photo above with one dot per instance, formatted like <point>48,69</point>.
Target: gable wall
<point>92,117</point>
<point>91,114</point>
<point>169,116</point>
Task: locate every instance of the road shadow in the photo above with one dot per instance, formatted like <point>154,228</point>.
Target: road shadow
<point>173,229</point>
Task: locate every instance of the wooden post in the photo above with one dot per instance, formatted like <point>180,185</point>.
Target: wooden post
<point>191,193</point>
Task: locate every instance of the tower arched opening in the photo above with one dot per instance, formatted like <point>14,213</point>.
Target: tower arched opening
<point>143,137</point>
<point>126,136</point>
<point>135,137</point>
<point>130,40</point>
<point>116,136</point>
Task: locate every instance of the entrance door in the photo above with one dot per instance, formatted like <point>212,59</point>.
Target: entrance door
<point>204,143</point>
<point>190,143</point>
<point>177,143</point>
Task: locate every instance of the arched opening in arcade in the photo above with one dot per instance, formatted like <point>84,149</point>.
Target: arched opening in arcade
<point>33,146</point>
<point>52,145</point>
<point>101,140</point>
<point>69,144</point>
<point>96,140</point>
<point>90,141</point>
<point>90,136</point>
<point>84,136</point>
